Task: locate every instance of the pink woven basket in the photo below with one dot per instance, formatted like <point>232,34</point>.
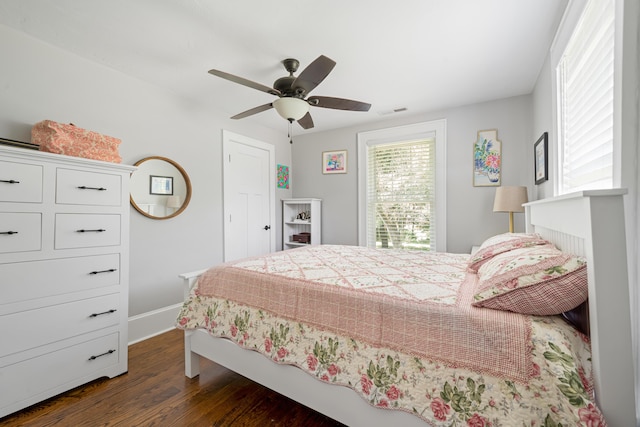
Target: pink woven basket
<point>71,140</point>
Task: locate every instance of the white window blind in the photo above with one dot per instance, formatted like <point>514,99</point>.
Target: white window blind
<point>585,85</point>
<point>401,195</point>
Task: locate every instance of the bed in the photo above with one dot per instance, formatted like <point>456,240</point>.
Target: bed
<point>453,353</point>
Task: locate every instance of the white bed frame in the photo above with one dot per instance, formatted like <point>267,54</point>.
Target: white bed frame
<point>589,223</point>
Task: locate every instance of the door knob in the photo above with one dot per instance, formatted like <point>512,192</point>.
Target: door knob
<point>267,227</point>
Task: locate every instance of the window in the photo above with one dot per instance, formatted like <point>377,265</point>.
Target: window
<point>401,187</point>
<point>585,80</point>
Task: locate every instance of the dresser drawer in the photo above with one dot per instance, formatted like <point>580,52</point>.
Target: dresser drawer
<point>49,374</point>
<point>22,281</point>
<point>34,328</point>
<point>74,187</point>
<point>20,232</point>
<point>86,230</point>
<point>20,182</point>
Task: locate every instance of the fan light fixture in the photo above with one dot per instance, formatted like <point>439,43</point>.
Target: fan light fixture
<point>291,108</point>
<point>292,103</point>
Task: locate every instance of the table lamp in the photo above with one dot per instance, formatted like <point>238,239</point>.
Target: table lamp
<point>510,199</point>
<point>174,202</point>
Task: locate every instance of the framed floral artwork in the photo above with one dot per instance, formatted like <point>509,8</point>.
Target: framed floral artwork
<point>283,176</point>
<point>487,159</point>
<point>334,162</point>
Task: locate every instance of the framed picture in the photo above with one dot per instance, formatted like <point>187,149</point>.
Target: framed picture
<point>541,156</point>
<point>487,159</point>
<point>334,162</point>
<point>162,185</point>
<point>283,176</point>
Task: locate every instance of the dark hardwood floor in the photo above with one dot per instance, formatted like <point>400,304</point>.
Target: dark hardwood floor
<point>155,392</point>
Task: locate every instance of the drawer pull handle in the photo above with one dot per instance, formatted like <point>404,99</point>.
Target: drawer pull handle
<point>99,230</point>
<point>8,232</point>
<point>84,187</point>
<point>103,354</point>
<point>111,270</point>
<point>10,181</point>
<point>113,310</point>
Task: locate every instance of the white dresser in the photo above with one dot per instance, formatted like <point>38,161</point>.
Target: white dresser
<point>64,272</point>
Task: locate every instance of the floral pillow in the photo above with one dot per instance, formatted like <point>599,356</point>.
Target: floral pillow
<point>502,243</point>
<point>538,280</point>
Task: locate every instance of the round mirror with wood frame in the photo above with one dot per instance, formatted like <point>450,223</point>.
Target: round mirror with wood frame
<point>160,188</point>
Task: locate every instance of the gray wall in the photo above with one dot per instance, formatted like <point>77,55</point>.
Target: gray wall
<point>470,218</point>
<point>543,122</point>
<point>38,81</point>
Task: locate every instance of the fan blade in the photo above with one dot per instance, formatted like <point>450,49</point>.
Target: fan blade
<point>338,103</point>
<point>245,82</point>
<point>253,111</point>
<point>306,121</point>
<point>313,75</point>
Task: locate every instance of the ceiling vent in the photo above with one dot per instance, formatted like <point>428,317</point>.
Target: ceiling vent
<point>393,111</point>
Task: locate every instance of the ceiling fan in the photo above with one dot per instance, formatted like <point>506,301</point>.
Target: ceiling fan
<point>292,103</point>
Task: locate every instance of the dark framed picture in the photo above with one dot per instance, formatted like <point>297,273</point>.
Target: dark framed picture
<point>162,185</point>
<point>541,159</point>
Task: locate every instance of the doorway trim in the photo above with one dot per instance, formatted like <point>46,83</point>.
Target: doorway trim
<point>229,138</point>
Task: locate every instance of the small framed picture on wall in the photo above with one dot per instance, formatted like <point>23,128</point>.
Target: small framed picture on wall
<point>541,159</point>
<point>334,162</point>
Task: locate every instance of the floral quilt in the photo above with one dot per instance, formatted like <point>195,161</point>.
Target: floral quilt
<point>415,301</point>
<point>557,392</point>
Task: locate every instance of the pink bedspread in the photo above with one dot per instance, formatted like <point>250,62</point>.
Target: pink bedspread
<point>415,302</point>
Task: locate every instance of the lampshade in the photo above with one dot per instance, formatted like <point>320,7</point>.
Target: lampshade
<point>173,202</point>
<point>510,199</point>
<point>291,108</point>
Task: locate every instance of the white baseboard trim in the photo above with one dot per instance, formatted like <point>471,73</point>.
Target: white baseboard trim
<point>152,323</point>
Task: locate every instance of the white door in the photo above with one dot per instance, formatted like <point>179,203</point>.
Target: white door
<point>249,196</point>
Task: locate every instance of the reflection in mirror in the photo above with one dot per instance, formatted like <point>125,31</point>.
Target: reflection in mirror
<point>160,188</point>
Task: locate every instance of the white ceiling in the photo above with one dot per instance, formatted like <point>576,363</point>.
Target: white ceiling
<point>422,55</point>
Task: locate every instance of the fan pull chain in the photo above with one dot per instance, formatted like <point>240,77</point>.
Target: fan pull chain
<point>290,133</point>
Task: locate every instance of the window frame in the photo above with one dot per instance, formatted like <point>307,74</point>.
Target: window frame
<point>568,24</point>
<point>431,129</point>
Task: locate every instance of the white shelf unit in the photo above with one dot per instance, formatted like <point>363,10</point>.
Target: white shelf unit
<point>291,224</point>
